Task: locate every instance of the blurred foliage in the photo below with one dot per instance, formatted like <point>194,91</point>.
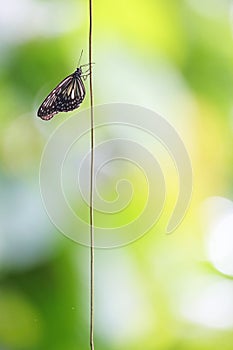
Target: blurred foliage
<point>140,288</point>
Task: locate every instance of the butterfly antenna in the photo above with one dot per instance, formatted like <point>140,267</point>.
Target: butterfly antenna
<point>80,58</point>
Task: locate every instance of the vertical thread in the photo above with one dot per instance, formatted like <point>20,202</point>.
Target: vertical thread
<point>92,289</point>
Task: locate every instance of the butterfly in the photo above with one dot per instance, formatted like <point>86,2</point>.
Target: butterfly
<point>66,96</point>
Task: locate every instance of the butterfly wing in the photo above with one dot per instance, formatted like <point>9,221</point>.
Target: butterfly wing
<point>71,96</point>
<point>65,97</point>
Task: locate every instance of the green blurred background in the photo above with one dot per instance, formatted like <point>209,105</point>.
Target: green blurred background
<point>161,292</point>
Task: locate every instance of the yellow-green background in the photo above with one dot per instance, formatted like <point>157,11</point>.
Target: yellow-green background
<point>161,292</point>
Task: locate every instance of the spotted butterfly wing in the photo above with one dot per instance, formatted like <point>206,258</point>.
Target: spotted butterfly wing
<point>66,96</point>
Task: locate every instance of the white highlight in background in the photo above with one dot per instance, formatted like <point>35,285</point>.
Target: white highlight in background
<point>209,303</point>
<point>217,216</point>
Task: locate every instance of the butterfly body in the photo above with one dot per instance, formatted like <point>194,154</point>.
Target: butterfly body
<point>66,96</point>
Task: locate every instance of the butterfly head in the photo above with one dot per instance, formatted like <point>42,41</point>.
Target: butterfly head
<point>78,71</point>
